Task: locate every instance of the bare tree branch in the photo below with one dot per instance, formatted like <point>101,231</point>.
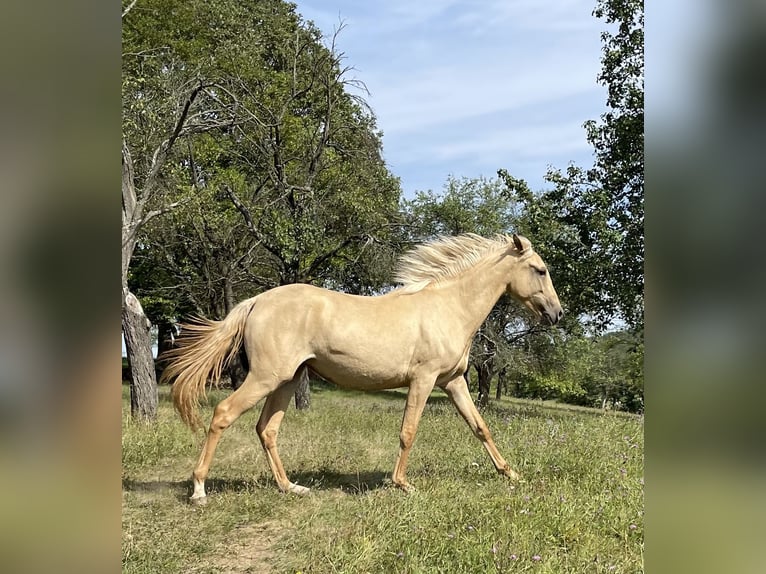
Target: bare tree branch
<point>250,224</point>
<point>319,261</point>
<point>154,213</point>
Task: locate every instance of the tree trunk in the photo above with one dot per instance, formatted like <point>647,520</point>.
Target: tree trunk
<point>164,343</point>
<point>303,393</point>
<point>239,366</point>
<point>164,337</point>
<point>291,275</point>
<point>501,382</point>
<point>138,344</point>
<point>484,376</point>
<point>237,369</point>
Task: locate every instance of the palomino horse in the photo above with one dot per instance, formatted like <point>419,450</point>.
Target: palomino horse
<point>417,336</point>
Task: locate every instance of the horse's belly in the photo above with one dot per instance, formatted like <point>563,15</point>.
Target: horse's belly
<point>346,372</point>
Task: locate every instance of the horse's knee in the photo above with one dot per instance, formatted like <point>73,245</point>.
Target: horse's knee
<point>268,437</point>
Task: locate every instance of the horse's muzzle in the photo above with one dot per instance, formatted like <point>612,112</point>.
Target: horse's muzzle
<point>551,317</point>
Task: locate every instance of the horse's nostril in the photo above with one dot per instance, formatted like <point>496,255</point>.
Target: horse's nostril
<point>561,314</point>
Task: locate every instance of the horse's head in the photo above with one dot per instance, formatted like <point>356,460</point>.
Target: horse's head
<point>530,283</point>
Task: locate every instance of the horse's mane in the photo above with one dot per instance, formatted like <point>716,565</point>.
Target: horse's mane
<point>444,257</point>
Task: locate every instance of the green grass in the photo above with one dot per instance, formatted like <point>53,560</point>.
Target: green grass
<point>578,509</point>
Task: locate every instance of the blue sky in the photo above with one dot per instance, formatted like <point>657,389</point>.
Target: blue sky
<point>465,88</point>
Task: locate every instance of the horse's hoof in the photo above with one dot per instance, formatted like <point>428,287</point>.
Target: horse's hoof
<point>198,500</point>
<point>406,487</point>
<point>510,473</point>
<point>298,489</point>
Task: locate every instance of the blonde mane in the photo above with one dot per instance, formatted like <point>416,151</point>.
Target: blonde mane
<point>444,257</point>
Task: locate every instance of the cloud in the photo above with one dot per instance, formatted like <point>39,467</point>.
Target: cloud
<point>530,15</point>
<point>459,86</point>
<point>526,148</point>
<point>446,95</point>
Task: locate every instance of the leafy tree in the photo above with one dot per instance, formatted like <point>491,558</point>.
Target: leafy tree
<point>167,99</point>
<point>308,178</point>
<point>465,205</point>
<point>590,370</point>
<point>591,222</point>
<point>293,188</point>
<point>589,228</point>
<point>566,240</point>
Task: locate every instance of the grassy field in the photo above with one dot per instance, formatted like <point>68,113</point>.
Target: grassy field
<point>579,508</point>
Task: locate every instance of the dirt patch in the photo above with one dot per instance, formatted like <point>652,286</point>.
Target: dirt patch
<point>247,550</point>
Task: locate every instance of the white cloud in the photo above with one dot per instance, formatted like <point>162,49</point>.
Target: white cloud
<point>447,95</point>
<point>459,86</point>
<point>530,15</point>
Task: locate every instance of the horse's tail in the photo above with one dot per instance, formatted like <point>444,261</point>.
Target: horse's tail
<point>201,353</point>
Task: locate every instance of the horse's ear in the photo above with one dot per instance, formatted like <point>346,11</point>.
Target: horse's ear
<point>517,243</point>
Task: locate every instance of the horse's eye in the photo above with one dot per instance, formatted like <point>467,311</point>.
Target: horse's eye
<point>542,271</point>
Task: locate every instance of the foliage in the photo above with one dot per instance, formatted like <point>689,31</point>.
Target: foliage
<point>294,190</point>
<point>619,145</point>
<point>602,371</point>
<point>591,223</point>
<point>273,165</point>
<point>465,205</point>
<point>579,509</point>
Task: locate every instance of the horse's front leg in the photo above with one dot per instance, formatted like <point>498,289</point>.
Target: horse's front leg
<point>416,401</point>
<point>457,391</point>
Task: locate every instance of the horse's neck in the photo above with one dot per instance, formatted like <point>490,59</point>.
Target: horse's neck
<point>476,291</point>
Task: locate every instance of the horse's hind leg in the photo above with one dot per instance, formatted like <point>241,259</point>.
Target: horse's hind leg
<point>457,391</point>
<point>268,428</point>
<point>226,412</point>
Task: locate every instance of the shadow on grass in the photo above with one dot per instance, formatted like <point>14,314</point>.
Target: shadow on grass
<point>350,483</point>
<point>320,480</point>
<point>180,489</point>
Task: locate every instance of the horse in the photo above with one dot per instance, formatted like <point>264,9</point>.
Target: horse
<point>416,336</point>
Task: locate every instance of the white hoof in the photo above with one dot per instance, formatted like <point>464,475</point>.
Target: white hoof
<point>298,489</point>
<point>198,500</point>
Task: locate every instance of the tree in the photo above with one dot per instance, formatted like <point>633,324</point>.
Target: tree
<point>294,189</point>
<point>592,220</point>
<point>590,370</point>
<point>619,144</point>
<point>196,260</point>
<point>321,193</point>
<point>566,239</point>
<point>165,100</point>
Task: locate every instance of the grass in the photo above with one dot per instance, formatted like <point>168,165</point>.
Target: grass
<point>579,508</point>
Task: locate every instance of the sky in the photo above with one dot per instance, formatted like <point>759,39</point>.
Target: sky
<point>465,88</point>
